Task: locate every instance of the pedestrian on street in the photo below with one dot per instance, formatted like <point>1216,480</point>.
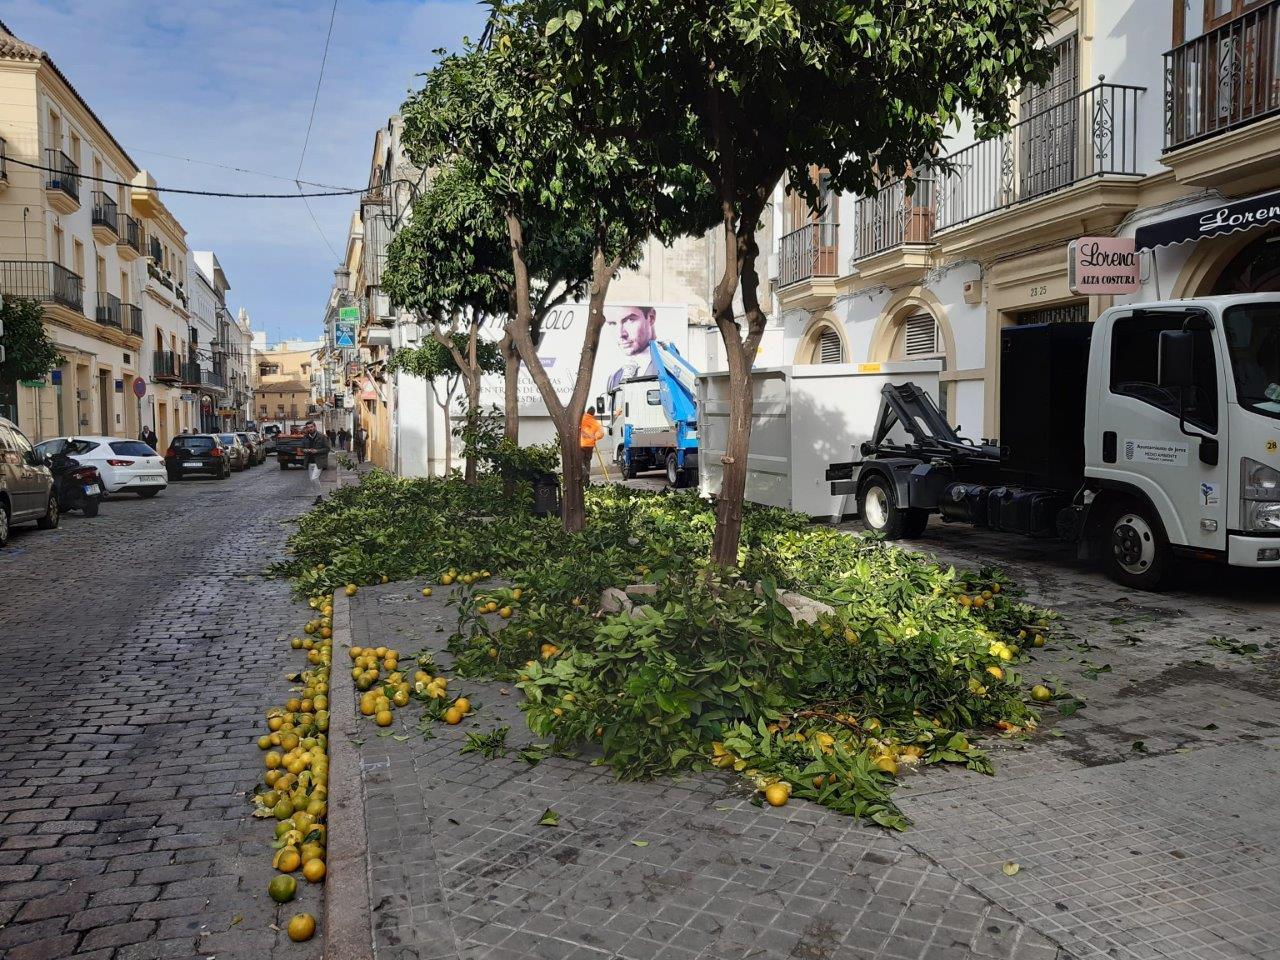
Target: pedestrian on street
<point>589,431</point>
<point>362,438</point>
<point>148,436</point>
<point>344,438</point>
<point>333,437</point>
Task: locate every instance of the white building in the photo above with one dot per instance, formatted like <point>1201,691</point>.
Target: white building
<point>1157,111</point>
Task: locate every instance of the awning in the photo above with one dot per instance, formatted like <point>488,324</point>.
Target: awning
<point>1260,211</point>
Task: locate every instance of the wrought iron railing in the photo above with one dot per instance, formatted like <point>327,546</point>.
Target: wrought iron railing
<point>1224,79</point>
<point>1094,133</point>
<point>63,174</point>
<point>165,365</point>
<point>4,159</point>
<point>105,212</point>
<point>191,373</point>
<point>42,280</point>
<point>108,312</point>
<point>808,252</point>
<point>214,378</point>
<point>132,319</point>
<point>154,250</point>
<point>892,219</point>
<point>129,230</point>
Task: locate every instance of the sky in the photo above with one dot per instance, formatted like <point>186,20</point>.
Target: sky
<point>232,82</point>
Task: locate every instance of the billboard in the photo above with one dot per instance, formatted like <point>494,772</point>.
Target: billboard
<point>624,349</point>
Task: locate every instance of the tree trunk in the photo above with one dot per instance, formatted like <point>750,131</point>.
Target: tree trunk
<point>733,480</point>
<point>473,405</point>
<point>511,403</point>
<point>567,418</point>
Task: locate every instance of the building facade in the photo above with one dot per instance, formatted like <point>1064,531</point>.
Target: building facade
<point>1158,112</point>
<point>84,231</point>
<point>282,389</point>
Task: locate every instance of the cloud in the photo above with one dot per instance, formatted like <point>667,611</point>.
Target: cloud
<point>232,81</point>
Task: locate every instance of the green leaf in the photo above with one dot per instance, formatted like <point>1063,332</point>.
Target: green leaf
<point>549,818</point>
<point>573,18</point>
<point>554,24</point>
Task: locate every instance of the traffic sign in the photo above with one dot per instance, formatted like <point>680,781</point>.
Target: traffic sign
<point>139,387</point>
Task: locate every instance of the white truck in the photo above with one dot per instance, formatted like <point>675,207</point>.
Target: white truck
<point>1150,434</point>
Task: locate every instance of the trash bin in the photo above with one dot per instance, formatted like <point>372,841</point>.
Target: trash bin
<point>546,494</point>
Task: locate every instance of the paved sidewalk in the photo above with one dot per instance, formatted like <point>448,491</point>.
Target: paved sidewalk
<point>1144,825</point>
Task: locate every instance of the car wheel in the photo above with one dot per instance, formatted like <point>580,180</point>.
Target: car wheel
<point>880,513</point>
<point>226,472</point>
<point>283,465</point>
<point>1135,549</point>
<point>4,524</point>
<point>147,494</point>
<point>91,506</point>
<point>51,515</point>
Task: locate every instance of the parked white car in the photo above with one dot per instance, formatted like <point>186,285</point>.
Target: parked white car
<point>126,466</point>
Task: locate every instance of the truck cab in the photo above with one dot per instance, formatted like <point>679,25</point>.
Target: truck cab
<point>1182,430</point>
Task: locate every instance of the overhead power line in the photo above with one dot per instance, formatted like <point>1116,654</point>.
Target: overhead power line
<point>196,193</point>
<point>234,168</point>
<point>306,141</point>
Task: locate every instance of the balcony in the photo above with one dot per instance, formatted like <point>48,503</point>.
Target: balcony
<point>190,373</point>
<point>155,251</point>
<point>214,380</point>
<point>42,280</point>
<point>894,232</point>
<point>132,319</point>
<point>106,218</point>
<point>808,264</point>
<point>1222,100</point>
<point>109,313</point>
<point>1091,136</point>
<point>166,367</point>
<point>62,186</point>
<point>129,234</point>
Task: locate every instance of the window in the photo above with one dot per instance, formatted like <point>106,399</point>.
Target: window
<point>1135,361</point>
<point>921,336</point>
<point>75,149</point>
<point>131,448</point>
<point>830,349</point>
<point>58,246</point>
<point>77,257</point>
<point>653,397</point>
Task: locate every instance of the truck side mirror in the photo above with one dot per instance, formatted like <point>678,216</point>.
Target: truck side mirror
<point>600,404</point>
<point>1177,359</point>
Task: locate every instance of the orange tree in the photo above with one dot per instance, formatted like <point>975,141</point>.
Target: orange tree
<point>753,94</point>
<point>580,197</point>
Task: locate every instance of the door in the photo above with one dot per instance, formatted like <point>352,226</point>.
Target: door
<point>1047,134</point>
<point>104,401</point>
<point>1141,444</point>
<point>28,484</point>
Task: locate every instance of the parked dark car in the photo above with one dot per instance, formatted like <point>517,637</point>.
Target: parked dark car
<point>290,453</point>
<point>256,446</point>
<point>197,453</point>
<point>26,485</point>
<point>79,485</point>
<point>239,454</point>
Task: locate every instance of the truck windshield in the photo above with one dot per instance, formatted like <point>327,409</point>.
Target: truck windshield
<point>1253,342</point>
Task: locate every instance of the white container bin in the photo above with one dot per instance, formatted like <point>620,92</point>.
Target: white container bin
<point>804,418</point>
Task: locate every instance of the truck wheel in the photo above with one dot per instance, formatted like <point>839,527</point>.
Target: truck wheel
<point>675,476</point>
<point>1134,549</point>
<point>626,467</point>
<point>880,513</point>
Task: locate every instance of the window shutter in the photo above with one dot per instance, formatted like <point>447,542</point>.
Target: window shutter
<point>829,350</point>
<point>922,336</point>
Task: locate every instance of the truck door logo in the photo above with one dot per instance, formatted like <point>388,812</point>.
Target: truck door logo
<point>1129,447</point>
<point>1210,494</point>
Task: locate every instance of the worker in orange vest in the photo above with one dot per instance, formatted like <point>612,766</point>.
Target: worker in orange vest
<point>589,431</point>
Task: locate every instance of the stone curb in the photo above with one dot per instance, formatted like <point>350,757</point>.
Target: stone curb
<point>348,929</point>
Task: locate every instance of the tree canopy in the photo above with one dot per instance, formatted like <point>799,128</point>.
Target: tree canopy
<point>29,352</point>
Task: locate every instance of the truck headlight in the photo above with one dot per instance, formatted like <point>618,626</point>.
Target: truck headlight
<point>1259,496</point>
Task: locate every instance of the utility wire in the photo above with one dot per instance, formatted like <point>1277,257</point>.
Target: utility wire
<point>195,193</point>
<point>228,166</point>
<point>306,141</point>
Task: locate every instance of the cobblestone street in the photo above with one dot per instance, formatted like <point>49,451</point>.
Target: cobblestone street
<point>139,650</point>
<point>1143,825</point>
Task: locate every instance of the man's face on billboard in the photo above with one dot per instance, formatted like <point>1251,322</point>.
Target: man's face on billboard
<point>635,330</point>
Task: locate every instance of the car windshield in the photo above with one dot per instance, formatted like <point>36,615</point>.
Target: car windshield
<point>131,448</point>
<point>228,438</point>
<point>1253,342</point>
<point>76,448</point>
<point>244,437</point>
<point>194,444</point>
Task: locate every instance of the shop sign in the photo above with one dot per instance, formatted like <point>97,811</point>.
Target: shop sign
<point>1098,266</point>
<point>1259,211</point>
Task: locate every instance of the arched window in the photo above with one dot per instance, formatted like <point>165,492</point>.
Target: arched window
<point>821,343</point>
